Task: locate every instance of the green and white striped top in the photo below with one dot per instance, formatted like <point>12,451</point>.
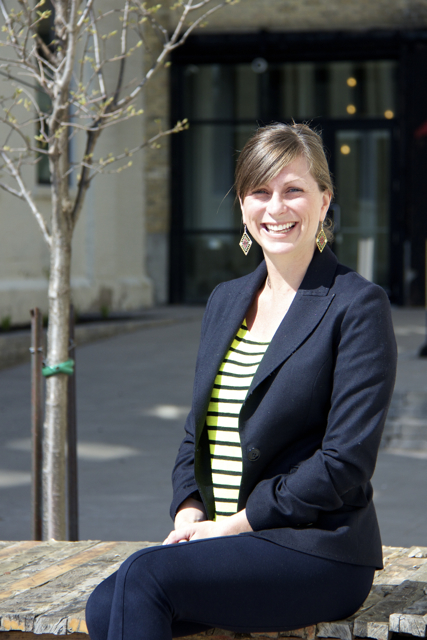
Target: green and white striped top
<point>228,394</point>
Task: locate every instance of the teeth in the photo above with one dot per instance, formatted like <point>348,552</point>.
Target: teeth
<point>280,227</point>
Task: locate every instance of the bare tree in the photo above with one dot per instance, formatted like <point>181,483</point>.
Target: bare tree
<point>78,68</point>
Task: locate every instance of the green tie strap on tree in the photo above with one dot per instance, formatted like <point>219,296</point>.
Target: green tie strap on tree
<point>63,367</point>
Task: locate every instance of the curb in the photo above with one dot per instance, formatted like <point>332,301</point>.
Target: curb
<point>15,346</point>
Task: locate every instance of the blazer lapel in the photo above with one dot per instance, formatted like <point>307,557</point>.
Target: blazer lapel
<point>231,314</point>
<point>306,311</point>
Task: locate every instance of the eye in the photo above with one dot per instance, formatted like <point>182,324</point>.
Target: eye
<point>260,190</point>
<point>294,190</point>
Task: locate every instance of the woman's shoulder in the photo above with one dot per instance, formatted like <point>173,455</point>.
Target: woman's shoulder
<point>362,309</point>
<point>243,284</point>
<point>349,284</point>
<point>232,297</point>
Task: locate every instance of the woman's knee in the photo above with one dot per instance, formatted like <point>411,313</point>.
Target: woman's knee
<point>142,574</point>
<point>98,608</point>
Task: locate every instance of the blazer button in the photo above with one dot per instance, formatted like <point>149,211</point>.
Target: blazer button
<point>253,454</point>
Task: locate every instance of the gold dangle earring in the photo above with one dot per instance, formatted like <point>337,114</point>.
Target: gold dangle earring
<point>321,239</point>
<point>245,242</point>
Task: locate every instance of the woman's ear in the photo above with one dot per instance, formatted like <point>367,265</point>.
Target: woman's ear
<point>241,209</point>
<point>326,197</point>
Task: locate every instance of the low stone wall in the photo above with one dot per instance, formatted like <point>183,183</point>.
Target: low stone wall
<point>44,587</point>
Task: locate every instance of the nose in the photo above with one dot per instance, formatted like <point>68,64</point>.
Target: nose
<point>275,205</point>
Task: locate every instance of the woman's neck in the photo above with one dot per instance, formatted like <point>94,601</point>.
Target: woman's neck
<point>276,296</point>
<point>285,273</point>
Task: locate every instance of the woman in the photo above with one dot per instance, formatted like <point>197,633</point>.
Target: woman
<point>272,499</point>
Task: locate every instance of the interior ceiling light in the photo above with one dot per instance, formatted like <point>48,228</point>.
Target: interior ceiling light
<point>352,82</point>
<point>259,65</point>
<point>345,149</point>
<point>351,109</point>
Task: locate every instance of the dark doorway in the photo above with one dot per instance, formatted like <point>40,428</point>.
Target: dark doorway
<point>353,102</point>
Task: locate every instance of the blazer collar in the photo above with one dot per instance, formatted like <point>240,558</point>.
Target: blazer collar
<point>305,313</point>
<point>317,281</point>
<point>320,274</point>
<point>237,297</point>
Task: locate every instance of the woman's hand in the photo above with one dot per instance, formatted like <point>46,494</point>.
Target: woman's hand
<point>237,523</point>
<point>189,511</point>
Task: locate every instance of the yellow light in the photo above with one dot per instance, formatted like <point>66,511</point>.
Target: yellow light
<point>351,109</point>
<point>352,82</point>
<point>345,149</point>
<point>389,114</point>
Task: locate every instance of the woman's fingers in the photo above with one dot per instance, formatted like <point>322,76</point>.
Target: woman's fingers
<point>233,525</point>
<point>179,535</point>
<point>193,531</point>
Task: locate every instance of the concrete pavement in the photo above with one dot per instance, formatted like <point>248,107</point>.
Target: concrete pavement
<point>134,391</point>
<point>407,419</point>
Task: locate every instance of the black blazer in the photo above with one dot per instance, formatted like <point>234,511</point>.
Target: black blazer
<point>311,424</point>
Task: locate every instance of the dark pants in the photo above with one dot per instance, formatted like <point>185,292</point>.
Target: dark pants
<point>240,583</point>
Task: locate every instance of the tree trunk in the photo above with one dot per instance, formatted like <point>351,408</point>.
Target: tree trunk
<point>54,440</point>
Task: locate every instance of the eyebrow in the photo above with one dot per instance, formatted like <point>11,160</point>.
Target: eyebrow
<point>265,184</point>
<point>294,180</point>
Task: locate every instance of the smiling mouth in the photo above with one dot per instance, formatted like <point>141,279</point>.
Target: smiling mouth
<point>279,228</point>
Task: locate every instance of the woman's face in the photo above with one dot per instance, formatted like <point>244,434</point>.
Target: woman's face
<point>283,215</point>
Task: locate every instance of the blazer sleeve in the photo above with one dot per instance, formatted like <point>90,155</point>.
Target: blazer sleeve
<point>363,382</point>
<point>183,478</point>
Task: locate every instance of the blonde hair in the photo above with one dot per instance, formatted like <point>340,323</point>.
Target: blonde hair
<point>274,147</point>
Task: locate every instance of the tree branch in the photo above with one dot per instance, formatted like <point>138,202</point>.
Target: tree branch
<point>123,52</point>
<point>18,80</point>
<point>88,8</point>
<point>8,23</point>
<point>18,130</point>
<point>177,31</point>
<point>195,24</point>
<point>71,47</point>
<point>31,27</point>
<point>100,167</point>
<point>174,42</point>
<point>83,184</point>
<point>28,70</point>
<point>6,187</point>
<point>54,72</point>
<point>156,25</point>
<point>97,55</point>
<point>27,196</point>
<point>60,7</point>
<point>82,60</point>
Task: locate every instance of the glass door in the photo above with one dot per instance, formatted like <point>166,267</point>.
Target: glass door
<point>353,103</point>
<point>212,222</point>
<point>362,202</point>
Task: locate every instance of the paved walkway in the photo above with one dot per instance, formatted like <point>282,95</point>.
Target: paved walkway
<point>134,391</point>
<point>407,420</point>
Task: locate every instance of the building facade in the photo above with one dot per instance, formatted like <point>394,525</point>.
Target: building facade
<point>167,230</point>
<point>353,69</point>
<point>109,245</point>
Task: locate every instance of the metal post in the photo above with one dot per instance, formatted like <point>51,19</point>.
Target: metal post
<point>73,514</point>
<point>36,418</point>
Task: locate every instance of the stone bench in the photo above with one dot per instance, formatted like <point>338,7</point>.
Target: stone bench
<point>44,587</point>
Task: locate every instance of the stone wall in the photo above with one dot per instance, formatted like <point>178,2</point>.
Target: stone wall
<point>328,15</point>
